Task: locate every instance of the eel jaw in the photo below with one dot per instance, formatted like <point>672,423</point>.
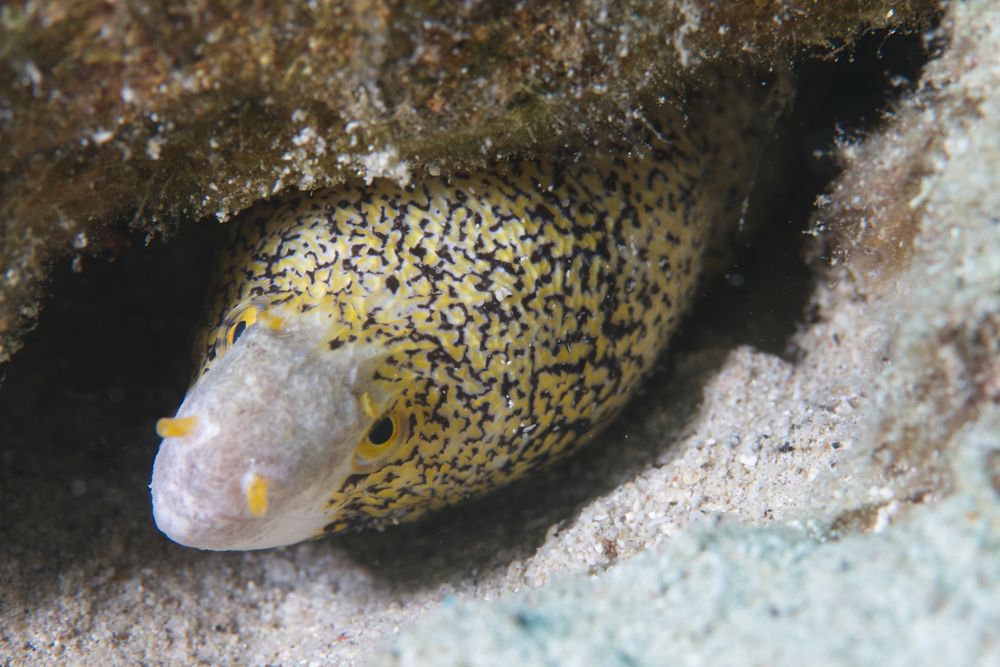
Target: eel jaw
<point>259,444</point>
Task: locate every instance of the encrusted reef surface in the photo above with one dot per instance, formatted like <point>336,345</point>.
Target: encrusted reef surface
<point>155,113</point>
<point>813,476</point>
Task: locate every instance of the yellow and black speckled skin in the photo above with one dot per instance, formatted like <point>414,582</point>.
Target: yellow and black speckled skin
<point>518,307</point>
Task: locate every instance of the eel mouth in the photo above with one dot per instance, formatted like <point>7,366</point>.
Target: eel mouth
<point>171,427</point>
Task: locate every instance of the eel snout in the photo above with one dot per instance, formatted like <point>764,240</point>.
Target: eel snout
<point>256,448</point>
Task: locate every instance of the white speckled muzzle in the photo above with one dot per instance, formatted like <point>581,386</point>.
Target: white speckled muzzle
<point>273,430</point>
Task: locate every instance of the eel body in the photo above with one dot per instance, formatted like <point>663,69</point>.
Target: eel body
<point>377,352</point>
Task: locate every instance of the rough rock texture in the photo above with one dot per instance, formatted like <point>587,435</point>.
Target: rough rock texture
<point>779,442</point>
<point>153,113</point>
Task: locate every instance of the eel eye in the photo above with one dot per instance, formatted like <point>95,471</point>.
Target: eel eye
<point>382,432</point>
<point>380,441</point>
<point>238,330</point>
<point>246,319</point>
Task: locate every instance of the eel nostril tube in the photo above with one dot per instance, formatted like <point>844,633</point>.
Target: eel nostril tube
<point>175,427</point>
<point>256,495</point>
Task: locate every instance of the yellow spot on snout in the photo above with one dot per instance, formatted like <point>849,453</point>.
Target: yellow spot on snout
<point>367,405</point>
<point>272,321</point>
<point>257,495</point>
<point>175,428</point>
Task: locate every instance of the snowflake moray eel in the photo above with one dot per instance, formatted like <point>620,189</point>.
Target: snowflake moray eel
<point>377,352</point>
